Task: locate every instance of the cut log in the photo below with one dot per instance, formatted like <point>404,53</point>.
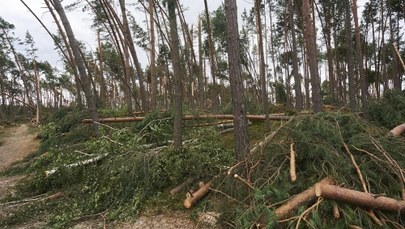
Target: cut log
<point>302,198</point>
<point>188,117</point>
<point>200,193</point>
<point>333,192</point>
<point>398,130</point>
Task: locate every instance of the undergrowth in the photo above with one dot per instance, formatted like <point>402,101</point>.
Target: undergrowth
<point>318,141</point>
<point>133,166</point>
<point>130,167</point>
<point>390,110</point>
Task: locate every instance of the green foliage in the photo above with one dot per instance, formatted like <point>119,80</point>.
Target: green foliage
<point>319,148</point>
<point>390,110</point>
<point>127,175</point>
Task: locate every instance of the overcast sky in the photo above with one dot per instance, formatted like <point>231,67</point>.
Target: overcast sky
<point>14,12</point>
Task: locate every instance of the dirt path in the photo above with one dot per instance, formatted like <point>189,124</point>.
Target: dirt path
<point>16,143</point>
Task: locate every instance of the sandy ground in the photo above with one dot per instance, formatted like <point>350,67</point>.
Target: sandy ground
<point>16,143</point>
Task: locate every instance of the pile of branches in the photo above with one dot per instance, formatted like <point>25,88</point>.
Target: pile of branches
<point>328,170</point>
<point>112,176</point>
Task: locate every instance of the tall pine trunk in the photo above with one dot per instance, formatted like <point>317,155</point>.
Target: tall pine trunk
<point>237,92</point>
<point>349,60</point>
<point>263,81</point>
<point>359,56</point>
<point>297,78</point>
<point>310,40</point>
<point>178,97</point>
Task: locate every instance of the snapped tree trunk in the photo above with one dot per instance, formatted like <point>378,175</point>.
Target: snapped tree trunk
<point>213,63</point>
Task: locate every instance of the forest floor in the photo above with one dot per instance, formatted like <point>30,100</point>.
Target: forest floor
<point>18,142</point>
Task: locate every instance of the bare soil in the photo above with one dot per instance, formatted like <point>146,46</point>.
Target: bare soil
<point>17,142</point>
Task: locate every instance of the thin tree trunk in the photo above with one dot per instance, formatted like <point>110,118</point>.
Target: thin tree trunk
<point>349,58</point>
<point>153,84</point>
<point>238,100</point>
<point>263,81</point>
<point>201,85</point>
<point>297,78</point>
<point>212,57</point>
<point>395,76</point>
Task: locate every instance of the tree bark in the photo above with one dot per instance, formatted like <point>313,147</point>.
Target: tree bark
<point>297,78</point>
<point>178,97</point>
<point>349,59</point>
<point>237,91</point>
<point>153,83</point>
<point>212,57</point>
<point>196,196</point>
<point>363,82</point>
<point>201,85</point>
<point>263,81</point>
<point>310,40</point>
<point>358,198</point>
<point>302,198</point>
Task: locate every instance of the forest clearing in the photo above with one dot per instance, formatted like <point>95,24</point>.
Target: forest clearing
<point>212,114</point>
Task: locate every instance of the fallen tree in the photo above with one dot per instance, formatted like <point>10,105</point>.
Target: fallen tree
<point>190,117</point>
<point>345,148</point>
<point>298,200</point>
<point>368,200</point>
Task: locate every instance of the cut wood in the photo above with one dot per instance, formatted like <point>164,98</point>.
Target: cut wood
<point>80,163</point>
<point>333,192</point>
<point>302,198</point>
<point>181,186</point>
<point>398,130</point>
<point>293,174</point>
<point>188,117</point>
<point>200,193</point>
